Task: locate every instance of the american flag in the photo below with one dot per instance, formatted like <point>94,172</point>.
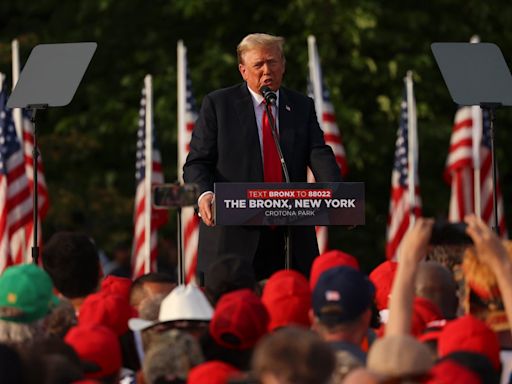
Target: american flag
<point>158,217</point>
<point>400,207</point>
<point>327,120</point>
<point>459,170</point>
<point>15,196</point>
<point>187,115</point>
<point>23,240</point>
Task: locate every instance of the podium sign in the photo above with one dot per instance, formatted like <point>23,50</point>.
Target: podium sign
<point>289,203</point>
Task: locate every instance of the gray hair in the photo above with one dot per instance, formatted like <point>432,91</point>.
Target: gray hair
<point>259,40</point>
<point>19,334</point>
<point>171,358</point>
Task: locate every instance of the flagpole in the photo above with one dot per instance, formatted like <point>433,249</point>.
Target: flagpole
<point>476,114</point>
<point>15,76</point>
<point>148,85</point>
<point>182,101</point>
<point>182,105</point>
<point>315,76</point>
<point>412,146</point>
<point>18,123</point>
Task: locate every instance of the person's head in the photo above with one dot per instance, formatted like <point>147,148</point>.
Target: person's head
<point>71,259</point>
<point>424,312</point>
<point>118,285</point>
<point>435,282</point>
<point>328,260</point>
<point>240,319</point>
<point>153,283</point>
<point>26,299</point>
<point>463,367</point>
<point>55,361</point>
<point>99,347</point>
<point>261,61</point>
<point>287,297</point>
<point>382,277</point>
<point>212,372</point>
<point>227,274</point>
<point>400,357</point>
<point>342,301</point>
<point>469,334</point>
<point>148,310</point>
<point>185,308</point>
<point>293,356</point>
<point>171,359</point>
<point>482,297</point>
<point>107,309</point>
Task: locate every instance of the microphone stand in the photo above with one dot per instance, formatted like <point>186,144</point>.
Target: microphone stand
<point>287,235</point>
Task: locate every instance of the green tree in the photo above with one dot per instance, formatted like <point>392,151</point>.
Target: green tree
<point>366,47</point>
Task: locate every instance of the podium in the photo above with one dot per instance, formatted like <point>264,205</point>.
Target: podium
<point>271,204</point>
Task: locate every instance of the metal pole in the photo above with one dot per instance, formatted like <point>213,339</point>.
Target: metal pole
<point>494,171</point>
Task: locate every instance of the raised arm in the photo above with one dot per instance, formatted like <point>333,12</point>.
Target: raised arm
<point>412,250</point>
<point>491,251</point>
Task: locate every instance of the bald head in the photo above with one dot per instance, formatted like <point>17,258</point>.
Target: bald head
<point>435,282</point>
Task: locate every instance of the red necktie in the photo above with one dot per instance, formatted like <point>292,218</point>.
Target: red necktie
<point>271,163</point>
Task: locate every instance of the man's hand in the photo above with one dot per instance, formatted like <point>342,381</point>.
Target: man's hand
<point>414,245</point>
<point>205,209</point>
<point>489,248</point>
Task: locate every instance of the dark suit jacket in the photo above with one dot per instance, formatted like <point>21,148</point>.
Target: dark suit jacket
<point>225,147</point>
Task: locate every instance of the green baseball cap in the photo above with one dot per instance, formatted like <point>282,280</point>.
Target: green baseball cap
<point>26,294</point>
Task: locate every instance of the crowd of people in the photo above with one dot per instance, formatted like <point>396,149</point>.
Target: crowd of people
<point>418,320</point>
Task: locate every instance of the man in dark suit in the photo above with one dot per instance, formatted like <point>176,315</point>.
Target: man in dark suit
<point>230,143</point>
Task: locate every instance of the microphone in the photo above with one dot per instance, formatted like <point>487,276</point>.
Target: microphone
<point>268,94</point>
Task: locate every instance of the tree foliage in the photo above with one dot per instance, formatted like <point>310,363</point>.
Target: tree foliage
<point>366,47</point>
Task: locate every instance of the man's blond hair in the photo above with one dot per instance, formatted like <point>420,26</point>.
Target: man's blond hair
<point>259,40</point>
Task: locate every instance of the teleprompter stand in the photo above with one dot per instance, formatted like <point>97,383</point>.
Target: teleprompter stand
<point>49,79</point>
<point>477,74</point>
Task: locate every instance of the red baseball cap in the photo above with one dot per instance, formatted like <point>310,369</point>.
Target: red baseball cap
<point>449,372</point>
<point>212,372</point>
<point>382,277</point>
<point>240,319</point>
<point>424,312</point>
<point>328,260</point>
<point>118,285</point>
<point>432,330</point>
<point>467,333</point>
<point>96,344</point>
<point>287,297</point>
<point>107,309</point>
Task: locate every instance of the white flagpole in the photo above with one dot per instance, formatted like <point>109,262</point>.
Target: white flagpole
<point>412,146</point>
<point>476,113</point>
<point>182,105</point>
<point>148,85</point>
<point>17,116</point>
<point>315,76</point>
<point>182,137</point>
